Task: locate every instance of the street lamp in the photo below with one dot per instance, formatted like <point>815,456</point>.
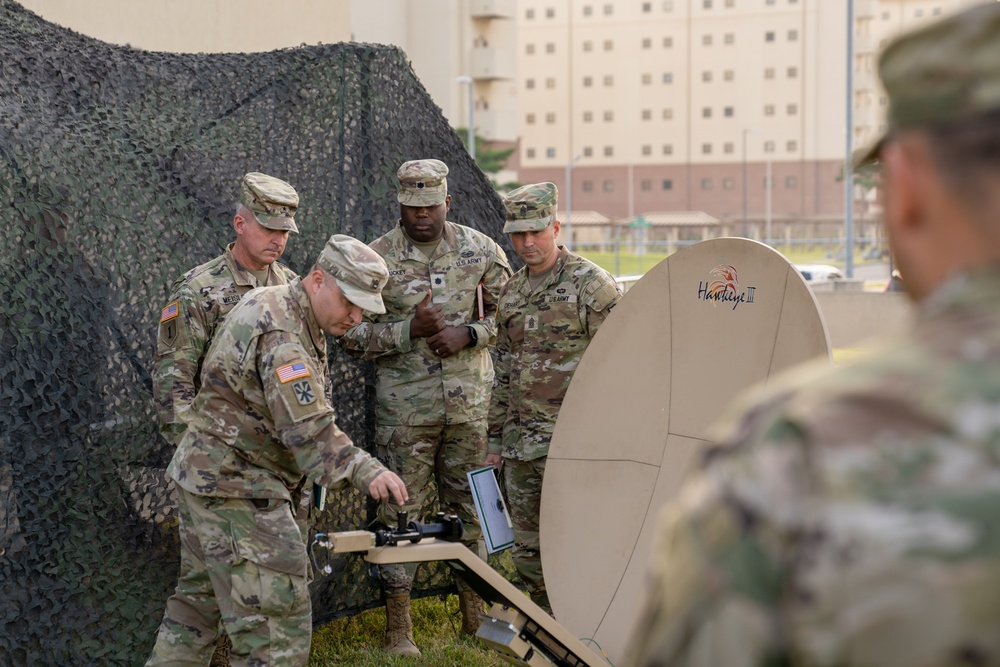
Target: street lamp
<point>569,201</point>
<point>746,130</point>
<point>472,115</point>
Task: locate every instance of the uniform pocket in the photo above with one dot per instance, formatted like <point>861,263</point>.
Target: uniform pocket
<point>269,572</point>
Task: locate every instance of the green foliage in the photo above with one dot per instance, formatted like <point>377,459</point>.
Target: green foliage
<point>490,160</point>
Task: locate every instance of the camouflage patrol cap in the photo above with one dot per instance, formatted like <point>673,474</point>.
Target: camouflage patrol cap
<point>272,201</point>
<point>422,182</point>
<point>944,72</point>
<point>361,272</point>
<point>530,208</point>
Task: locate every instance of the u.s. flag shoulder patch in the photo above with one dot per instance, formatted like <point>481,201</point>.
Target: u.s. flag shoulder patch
<point>169,313</point>
<point>292,371</point>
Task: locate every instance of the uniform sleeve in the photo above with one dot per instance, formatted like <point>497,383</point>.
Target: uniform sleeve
<point>600,295</point>
<point>371,339</point>
<point>500,398</point>
<point>181,344</point>
<point>304,421</point>
<point>495,277</point>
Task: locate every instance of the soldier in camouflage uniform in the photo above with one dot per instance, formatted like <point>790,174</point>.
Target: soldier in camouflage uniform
<point>260,428</point>
<point>434,368</point>
<point>849,516</point>
<point>201,297</point>
<point>548,314</point>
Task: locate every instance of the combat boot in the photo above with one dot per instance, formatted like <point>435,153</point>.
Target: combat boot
<point>398,626</point>
<point>472,606</point>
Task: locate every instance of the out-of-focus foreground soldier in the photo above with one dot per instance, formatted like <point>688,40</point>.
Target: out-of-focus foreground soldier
<point>849,516</point>
<point>434,369</point>
<point>549,312</point>
<point>261,426</point>
<point>200,299</point>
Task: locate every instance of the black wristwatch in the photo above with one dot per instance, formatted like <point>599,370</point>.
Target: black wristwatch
<point>472,335</point>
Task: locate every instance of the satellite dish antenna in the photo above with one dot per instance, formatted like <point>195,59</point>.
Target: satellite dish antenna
<point>706,323</point>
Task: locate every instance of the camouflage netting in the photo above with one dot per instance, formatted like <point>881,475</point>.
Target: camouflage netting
<point>119,170</point>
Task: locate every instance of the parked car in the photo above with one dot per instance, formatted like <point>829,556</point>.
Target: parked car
<point>814,272</point>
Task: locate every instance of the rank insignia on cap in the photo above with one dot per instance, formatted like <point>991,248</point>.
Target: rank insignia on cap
<point>304,392</point>
<point>169,313</point>
<point>292,371</point>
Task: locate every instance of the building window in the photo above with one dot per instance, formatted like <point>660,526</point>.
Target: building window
<point>647,43</point>
<point>529,14</point>
<point>588,186</point>
<point>647,114</point>
<point>608,186</point>
<point>769,36</point>
<point>550,12</point>
<point>706,112</point>
<point>706,149</point>
<point>792,146</point>
<point>768,109</point>
<point>588,45</point>
<point>529,84</point>
<point>587,9</point>
<point>647,149</point>
<point>668,184</point>
<point>608,80</point>
<point>728,75</point>
<point>707,4</point>
<point>918,13</point>
<point>730,3</point>
<point>608,10</point>
<point>769,73</point>
<point>770,2</point>
<point>646,185</point>
<point>727,147</point>
<point>793,35</point>
<point>668,5</point>
<point>609,45</point>
<point>768,146</point>
<point>588,151</point>
<point>668,77</point>
<point>550,82</point>
<point>728,183</point>
<point>550,152</point>
<point>937,11</point>
<point>791,182</point>
<point>647,7</point>
<point>706,184</point>
<point>793,72</point>
<point>668,114</point>
<point>530,152</point>
<point>530,119</point>
<point>730,38</point>
<point>706,40</point>
<point>668,149</point>
<point>668,42</point>
<point>885,16</point>
<point>609,116</point>
<point>550,48</point>
<point>588,81</point>
<point>529,48</point>
<point>647,79</point>
<point>727,112</point>
<point>706,76</point>
<point>588,116</point>
<point>550,118</point>
<point>793,109</point>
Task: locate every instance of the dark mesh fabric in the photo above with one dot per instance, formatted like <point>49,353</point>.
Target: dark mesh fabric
<point>119,170</point>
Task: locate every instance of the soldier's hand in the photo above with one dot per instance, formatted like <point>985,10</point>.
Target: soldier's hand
<point>428,319</point>
<point>449,340</point>
<point>386,486</point>
<point>493,460</point>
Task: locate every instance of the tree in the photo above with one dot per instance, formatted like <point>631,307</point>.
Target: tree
<point>491,161</point>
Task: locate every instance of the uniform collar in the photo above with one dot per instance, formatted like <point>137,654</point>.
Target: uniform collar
<point>406,250</point>
<point>553,276</point>
<point>298,290</point>
<point>242,275</point>
<point>975,288</point>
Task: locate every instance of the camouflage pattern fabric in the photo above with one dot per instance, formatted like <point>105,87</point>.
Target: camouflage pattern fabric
<point>422,182</point>
<point>849,516</point>
<point>523,484</point>
<point>198,302</point>
<point>414,386</point>
<point>428,458</point>
<point>246,567</point>
<point>261,422</point>
<point>542,335</point>
<point>530,208</point>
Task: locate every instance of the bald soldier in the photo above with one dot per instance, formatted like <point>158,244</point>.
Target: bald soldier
<point>849,515</point>
<point>431,352</point>
<point>549,312</point>
<point>201,298</point>
<point>260,428</point>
